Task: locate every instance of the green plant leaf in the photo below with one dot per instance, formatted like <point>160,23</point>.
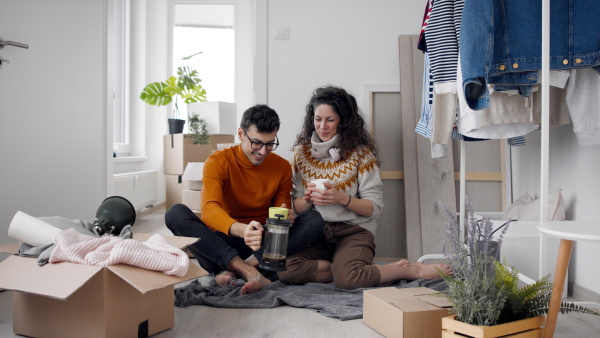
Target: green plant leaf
<point>172,86</point>
<point>155,94</point>
<point>188,77</point>
<point>186,84</point>
<point>196,94</point>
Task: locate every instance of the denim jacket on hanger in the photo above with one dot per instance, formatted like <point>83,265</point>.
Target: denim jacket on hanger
<point>501,43</point>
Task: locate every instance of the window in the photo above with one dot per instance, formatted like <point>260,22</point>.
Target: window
<point>121,78</point>
<point>207,28</point>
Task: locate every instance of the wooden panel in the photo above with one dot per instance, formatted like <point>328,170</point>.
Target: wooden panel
<point>485,196</point>
<point>485,177</point>
<point>392,175</point>
<point>385,124</point>
<point>409,149</point>
<point>390,237</point>
<point>482,156</point>
<point>480,176</point>
<point>436,175</point>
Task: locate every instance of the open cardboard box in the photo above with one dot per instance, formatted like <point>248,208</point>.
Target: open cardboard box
<point>75,300</point>
<point>193,174</point>
<point>408,313</point>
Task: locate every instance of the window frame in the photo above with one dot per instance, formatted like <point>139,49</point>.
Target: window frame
<point>121,82</point>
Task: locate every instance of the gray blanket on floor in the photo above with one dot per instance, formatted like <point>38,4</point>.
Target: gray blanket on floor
<point>325,299</point>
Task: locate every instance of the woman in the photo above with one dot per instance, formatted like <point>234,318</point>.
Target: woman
<point>335,144</point>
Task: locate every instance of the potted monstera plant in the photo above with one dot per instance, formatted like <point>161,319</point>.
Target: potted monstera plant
<point>184,87</point>
<point>485,293</point>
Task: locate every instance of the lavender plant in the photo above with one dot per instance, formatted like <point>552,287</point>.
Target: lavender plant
<point>484,291</point>
<point>473,290</point>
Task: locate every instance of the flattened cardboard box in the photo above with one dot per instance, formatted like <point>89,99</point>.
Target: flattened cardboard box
<point>75,300</point>
<point>407,313</point>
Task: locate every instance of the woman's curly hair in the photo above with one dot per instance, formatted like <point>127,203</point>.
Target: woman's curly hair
<point>352,129</point>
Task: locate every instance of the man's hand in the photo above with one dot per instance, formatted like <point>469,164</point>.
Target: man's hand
<point>253,235</point>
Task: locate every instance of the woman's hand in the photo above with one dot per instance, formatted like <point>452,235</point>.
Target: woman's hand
<point>310,188</point>
<point>329,196</point>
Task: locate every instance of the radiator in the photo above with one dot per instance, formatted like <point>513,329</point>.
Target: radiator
<point>138,187</point>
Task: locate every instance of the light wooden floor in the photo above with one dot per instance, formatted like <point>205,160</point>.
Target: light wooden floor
<point>285,321</point>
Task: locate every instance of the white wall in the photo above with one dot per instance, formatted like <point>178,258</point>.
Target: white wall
<point>52,110</point>
<point>574,169</point>
<point>347,43</point>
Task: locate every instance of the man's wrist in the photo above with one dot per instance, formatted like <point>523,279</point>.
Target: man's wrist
<point>237,229</point>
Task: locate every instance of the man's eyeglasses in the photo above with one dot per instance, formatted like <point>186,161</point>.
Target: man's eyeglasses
<point>257,145</point>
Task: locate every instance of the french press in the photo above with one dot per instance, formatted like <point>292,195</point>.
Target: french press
<point>277,231</point>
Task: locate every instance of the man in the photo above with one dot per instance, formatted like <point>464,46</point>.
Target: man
<point>239,185</point>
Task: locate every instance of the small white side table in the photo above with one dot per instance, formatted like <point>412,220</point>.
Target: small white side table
<point>568,232</point>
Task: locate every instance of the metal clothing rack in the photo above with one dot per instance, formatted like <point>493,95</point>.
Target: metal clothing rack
<point>545,124</point>
<point>10,43</point>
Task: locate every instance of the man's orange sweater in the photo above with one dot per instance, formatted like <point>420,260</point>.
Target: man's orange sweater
<point>234,189</point>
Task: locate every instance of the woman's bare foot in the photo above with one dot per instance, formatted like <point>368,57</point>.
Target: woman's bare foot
<point>401,262</point>
<point>225,278</point>
<point>254,284</point>
<point>429,271</point>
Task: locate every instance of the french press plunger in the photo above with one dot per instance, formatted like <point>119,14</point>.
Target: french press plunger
<point>276,242</point>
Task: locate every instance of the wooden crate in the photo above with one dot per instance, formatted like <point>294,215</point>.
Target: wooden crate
<point>525,328</point>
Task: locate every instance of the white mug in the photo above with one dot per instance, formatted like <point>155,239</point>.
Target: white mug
<point>320,183</point>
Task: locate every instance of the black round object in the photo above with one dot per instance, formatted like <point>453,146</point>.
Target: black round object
<point>113,215</point>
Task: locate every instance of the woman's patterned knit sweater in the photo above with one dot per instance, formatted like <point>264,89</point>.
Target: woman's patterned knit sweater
<point>357,175</point>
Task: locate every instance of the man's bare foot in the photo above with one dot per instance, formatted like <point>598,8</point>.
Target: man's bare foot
<point>429,271</point>
<point>254,279</point>
<point>225,278</point>
<point>401,262</point>
<point>254,284</point>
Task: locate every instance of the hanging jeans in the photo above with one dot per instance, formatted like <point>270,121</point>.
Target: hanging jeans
<point>501,41</point>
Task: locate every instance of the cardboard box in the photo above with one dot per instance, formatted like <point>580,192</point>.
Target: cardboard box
<point>179,149</point>
<point>175,187</point>
<point>220,117</point>
<point>193,175</point>
<point>408,313</point>
<point>192,199</point>
<point>75,300</point>
<point>221,146</point>
<point>221,138</point>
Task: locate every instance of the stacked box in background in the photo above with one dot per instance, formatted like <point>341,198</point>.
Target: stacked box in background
<point>191,197</point>
<point>174,188</point>
<point>179,150</point>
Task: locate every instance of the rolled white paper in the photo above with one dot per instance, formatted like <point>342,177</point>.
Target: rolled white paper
<point>31,230</point>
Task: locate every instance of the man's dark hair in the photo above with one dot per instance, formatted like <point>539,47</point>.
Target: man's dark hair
<point>263,117</point>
